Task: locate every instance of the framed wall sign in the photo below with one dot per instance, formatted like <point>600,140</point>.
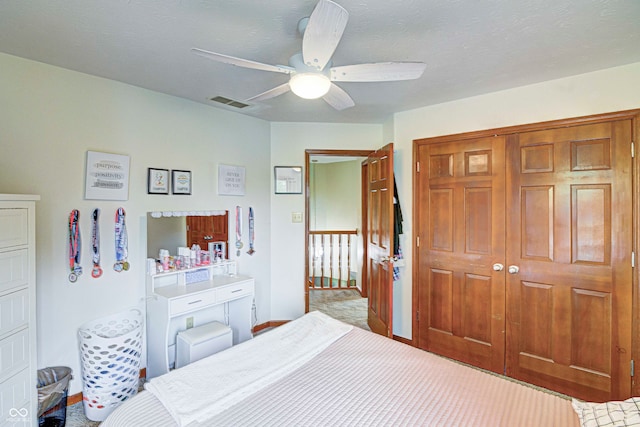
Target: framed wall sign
<point>288,179</point>
<point>231,180</point>
<point>158,181</point>
<point>180,182</point>
<point>107,176</point>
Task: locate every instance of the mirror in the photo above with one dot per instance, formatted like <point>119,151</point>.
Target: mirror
<point>170,230</point>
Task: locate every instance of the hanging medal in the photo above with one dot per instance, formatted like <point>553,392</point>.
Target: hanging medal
<point>238,230</point>
<point>121,242</point>
<point>252,233</point>
<point>75,246</point>
<point>95,244</point>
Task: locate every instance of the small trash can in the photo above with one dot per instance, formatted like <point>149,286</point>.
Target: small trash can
<point>110,351</point>
<point>53,386</point>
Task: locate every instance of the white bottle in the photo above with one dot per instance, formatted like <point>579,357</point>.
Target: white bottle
<point>193,255</point>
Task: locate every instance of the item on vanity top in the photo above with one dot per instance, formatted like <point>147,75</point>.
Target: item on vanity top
<point>238,230</point>
<point>164,259</point>
<point>216,251</point>
<point>95,244</point>
<point>121,242</point>
<point>198,255</point>
<point>184,254</point>
<point>252,233</point>
<point>75,246</point>
<point>192,256</point>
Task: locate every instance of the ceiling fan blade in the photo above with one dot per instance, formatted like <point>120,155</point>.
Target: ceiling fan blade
<point>271,93</point>
<point>242,62</point>
<point>323,32</point>
<point>378,72</point>
<point>338,98</point>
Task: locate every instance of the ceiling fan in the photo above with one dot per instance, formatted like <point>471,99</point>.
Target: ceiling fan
<point>312,73</point>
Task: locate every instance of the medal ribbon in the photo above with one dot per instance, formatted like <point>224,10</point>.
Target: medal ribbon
<point>252,232</point>
<point>95,244</point>
<point>75,245</point>
<point>238,229</point>
<point>121,241</point>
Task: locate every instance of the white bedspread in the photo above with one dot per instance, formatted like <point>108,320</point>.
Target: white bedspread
<point>209,386</point>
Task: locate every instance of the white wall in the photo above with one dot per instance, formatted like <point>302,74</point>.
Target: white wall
<point>288,143</point>
<point>336,190</point>
<point>610,90</point>
<point>49,118</point>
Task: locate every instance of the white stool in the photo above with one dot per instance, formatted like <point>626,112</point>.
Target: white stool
<point>202,341</point>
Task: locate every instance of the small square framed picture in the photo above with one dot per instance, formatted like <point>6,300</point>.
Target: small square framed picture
<point>180,182</point>
<point>288,179</point>
<point>157,181</point>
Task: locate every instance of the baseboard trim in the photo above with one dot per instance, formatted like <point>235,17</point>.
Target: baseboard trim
<point>77,398</point>
<point>269,324</point>
<point>403,340</point>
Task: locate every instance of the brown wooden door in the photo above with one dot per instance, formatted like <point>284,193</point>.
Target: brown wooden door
<point>202,230</point>
<point>380,240</point>
<point>461,227</point>
<point>570,237</point>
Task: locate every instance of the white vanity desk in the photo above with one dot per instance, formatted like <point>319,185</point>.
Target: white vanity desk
<point>194,297</point>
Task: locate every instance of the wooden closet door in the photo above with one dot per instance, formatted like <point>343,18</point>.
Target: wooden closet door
<point>460,221</point>
<point>569,235</point>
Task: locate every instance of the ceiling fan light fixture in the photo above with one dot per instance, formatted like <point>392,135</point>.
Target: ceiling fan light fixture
<point>310,85</point>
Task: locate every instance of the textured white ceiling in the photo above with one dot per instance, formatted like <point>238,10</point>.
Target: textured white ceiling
<point>470,46</point>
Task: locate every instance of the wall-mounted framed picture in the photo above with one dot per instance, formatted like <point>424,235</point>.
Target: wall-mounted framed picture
<point>157,181</point>
<point>107,176</point>
<point>180,182</point>
<point>231,180</point>
<point>288,179</point>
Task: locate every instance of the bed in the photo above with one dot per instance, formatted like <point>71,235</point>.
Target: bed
<point>317,371</point>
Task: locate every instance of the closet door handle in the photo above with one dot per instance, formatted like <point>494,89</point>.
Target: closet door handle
<point>513,269</point>
<point>498,267</point>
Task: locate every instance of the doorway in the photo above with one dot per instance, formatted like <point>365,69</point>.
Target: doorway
<point>335,226</point>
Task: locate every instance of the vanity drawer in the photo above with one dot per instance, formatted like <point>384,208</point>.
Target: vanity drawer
<point>236,290</point>
<point>191,302</point>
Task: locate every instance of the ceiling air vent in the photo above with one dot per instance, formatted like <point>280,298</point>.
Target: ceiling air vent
<point>229,102</point>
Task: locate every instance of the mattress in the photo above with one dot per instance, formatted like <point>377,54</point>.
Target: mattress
<point>364,379</point>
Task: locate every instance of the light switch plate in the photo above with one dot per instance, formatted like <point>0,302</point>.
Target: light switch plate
<point>296,216</point>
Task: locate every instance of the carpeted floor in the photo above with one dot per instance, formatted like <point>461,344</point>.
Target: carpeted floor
<point>346,305</point>
<point>76,417</point>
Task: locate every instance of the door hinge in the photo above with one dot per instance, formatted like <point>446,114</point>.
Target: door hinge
<point>633,260</point>
<point>418,241</point>
<point>417,166</point>
<point>632,368</point>
<point>633,149</point>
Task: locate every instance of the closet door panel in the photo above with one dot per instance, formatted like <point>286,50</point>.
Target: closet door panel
<point>569,233</point>
<point>537,223</point>
<point>461,295</point>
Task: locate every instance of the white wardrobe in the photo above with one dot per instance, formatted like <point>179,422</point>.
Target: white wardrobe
<point>18,372</point>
